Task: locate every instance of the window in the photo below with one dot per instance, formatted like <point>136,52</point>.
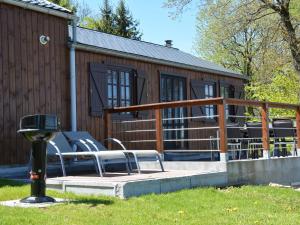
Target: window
<point>202,90</point>
<point>119,88</point>
<point>173,88</point>
<point>227,91</point>
<point>209,93</point>
<point>116,86</point>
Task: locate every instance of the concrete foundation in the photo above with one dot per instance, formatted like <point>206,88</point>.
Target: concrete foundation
<point>124,186</point>
<point>263,171</point>
<point>224,157</point>
<point>183,175</point>
<point>266,154</point>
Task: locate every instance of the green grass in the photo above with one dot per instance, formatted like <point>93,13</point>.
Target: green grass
<point>245,205</point>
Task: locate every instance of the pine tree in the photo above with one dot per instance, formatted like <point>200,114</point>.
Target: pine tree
<point>106,21</point>
<point>125,25</point>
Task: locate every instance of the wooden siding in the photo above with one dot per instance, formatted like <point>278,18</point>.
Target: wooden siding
<point>33,78</point>
<point>152,71</point>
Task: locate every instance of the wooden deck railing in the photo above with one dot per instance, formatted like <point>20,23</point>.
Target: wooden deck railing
<point>221,109</point>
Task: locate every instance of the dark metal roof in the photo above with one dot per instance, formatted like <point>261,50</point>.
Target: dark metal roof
<point>46,4</point>
<point>136,48</point>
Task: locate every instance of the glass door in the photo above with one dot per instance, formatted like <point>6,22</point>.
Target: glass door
<point>173,88</point>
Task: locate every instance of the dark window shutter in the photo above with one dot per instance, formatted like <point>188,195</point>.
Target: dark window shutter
<point>215,95</point>
<point>239,93</point>
<point>98,88</point>
<point>141,90</point>
<point>231,108</point>
<point>197,92</point>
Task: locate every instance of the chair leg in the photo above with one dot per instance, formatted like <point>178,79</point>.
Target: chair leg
<point>127,165</point>
<point>137,162</point>
<point>129,161</point>
<point>62,165</point>
<point>99,165</point>
<point>160,162</point>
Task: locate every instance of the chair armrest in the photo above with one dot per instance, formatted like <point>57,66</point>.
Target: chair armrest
<point>116,141</point>
<point>81,144</point>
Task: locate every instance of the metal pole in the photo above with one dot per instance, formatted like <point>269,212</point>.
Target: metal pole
<point>73,78</point>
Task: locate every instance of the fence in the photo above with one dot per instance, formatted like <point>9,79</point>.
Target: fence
<point>177,125</point>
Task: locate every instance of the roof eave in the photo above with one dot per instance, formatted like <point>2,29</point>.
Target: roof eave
<point>153,60</point>
<point>68,16</point>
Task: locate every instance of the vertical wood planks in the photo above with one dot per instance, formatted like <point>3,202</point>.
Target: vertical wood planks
<point>265,126</point>
<point>29,74</point>
<point>159,131</point>
<point>222,127</point>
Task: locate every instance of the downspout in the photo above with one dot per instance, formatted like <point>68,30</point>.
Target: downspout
<point>73,77</point>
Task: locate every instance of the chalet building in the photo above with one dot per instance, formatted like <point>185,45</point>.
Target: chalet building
<point>48,65</point>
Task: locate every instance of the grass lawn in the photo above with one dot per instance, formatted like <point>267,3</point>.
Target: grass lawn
<point>245,205</point>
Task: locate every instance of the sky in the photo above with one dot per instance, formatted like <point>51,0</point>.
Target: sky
<point>156,23</point>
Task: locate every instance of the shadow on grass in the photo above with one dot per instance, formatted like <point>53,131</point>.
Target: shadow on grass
<point>92,202</point>
<point>11,183</point>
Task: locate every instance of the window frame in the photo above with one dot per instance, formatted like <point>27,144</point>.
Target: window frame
<point>131,85</point>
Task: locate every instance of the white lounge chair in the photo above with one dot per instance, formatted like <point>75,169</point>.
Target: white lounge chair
<point>61,148</point>
<point>138,155</point>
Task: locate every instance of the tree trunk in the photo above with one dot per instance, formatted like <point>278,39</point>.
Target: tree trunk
<point>291,37</point>
<point>282,8</point>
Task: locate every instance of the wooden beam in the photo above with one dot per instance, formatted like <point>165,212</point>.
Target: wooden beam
<point>159,131</point>
<point>298,127</point>
<point>164,105</point>
<point>265,126</point>
<point>199,102</point>
<point>282,105</point>
<point>107,129</point>
<point>222,127</point>
<point>234,101</point>
<point>242,102</point>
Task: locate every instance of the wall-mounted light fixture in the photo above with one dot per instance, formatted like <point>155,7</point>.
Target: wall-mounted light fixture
<point>44,39</point>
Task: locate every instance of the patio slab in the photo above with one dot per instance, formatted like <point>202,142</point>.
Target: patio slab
<point>18,203</point>
<point>125,186</point>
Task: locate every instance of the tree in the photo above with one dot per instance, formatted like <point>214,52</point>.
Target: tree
<point>242,46</point>
<point>282,8</point>
<point>120,23</point>
<point>82,10</point>
<point>283,87</point>
<point>65,3</point>
<point>126,26</point>
<point>287,12</point>
<point>105,22</point>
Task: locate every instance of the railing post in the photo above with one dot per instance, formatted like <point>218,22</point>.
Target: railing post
<point>223,131</point>
<point>159,131</point>
<point>265,130</point>
<point>298,130</point>
<point>107,129</point>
